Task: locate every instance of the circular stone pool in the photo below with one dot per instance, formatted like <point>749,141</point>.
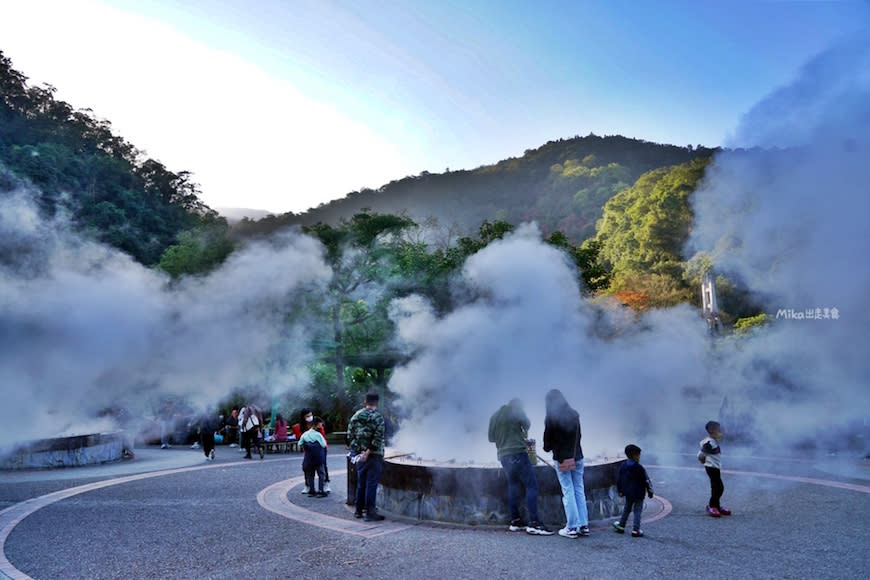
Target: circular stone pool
<point>73,451</point>
<point>477,494</point>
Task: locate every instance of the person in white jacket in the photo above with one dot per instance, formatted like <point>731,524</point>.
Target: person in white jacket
<point>250,424</point>
<point>711,456</point>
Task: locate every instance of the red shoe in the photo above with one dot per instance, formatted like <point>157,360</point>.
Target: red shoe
<point>714,513</point>
<point>724,511</point>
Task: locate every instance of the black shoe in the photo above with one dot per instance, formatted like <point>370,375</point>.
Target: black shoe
<point>517,525</point>
<point>312,494</point>
<point>358,515</point>
<point>322,494</point>
<point>620,529</point>
<point>374,518</point>
<point>538,529</point>
<point>248,456</point>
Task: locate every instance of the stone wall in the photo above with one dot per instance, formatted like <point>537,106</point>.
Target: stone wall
<point>66,452</point>
<point>478,495</point>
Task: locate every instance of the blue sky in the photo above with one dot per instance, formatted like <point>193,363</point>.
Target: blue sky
<point>284,105</point>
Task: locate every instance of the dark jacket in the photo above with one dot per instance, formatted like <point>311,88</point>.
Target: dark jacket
<point>508,429</point>
<point>314,456</point>
<point>632,480</point>
<point>560,430</point>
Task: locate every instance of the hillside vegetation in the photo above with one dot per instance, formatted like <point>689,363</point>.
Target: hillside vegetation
<point>619,208</point>
<point>562,185</point>
<point>112,191</point>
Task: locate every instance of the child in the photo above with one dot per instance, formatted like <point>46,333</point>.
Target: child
<point>710,456</point>
<point>632,482</point>
<point>313,446</point>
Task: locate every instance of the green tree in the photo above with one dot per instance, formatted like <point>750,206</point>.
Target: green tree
<point>198,250</point>
<point>360,251</point>
<point>110,190</point>
<point>643,230</point>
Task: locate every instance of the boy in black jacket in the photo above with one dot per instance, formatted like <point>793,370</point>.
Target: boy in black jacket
<point>632,482</point>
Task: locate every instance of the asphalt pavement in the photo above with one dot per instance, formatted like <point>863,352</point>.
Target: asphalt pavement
<point>171,514</point>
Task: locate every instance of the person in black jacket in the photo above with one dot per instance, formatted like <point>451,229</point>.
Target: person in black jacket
<point>632,482</point>
<point>207,424</point>
<point>562,437</point>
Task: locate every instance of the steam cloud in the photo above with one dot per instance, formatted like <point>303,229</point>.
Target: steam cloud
<point>84,327</point>
<point>790,223</point>
<point>527,330</point>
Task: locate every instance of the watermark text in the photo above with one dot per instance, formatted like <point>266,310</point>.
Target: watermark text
<point>808,314</point>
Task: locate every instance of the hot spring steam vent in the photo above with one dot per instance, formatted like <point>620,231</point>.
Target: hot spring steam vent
<point>477,494</point>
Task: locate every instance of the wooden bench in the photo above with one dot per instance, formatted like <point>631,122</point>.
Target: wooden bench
<point>281,446</point>
<point>336,437</point>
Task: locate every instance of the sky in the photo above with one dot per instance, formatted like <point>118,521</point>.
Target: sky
<point>284,105</point>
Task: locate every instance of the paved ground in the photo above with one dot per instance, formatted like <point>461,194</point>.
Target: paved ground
<point>168,514</point>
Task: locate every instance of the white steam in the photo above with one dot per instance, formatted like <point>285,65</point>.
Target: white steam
<point>526,331</point>
<point>790,223</point>
<point>84,327</point>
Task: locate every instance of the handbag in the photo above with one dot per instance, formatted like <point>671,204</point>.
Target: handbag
<point>571,463</point>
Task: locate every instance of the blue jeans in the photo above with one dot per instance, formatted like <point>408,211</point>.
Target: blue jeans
<point>519,472</point>
<point>309,478</point>
<point>635,505</point>
<point>573,496</point>
<point>368,473</point>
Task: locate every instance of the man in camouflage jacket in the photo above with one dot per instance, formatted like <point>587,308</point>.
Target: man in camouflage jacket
<point>366,434</point>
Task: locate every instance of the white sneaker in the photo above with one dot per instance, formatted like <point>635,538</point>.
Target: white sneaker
<point>164,446</point>
<point>568,532</point>
<point>233,445</point>
<point>326,488</point>
<point>305,489</point>
<point>195,445</point>
<point>211,455</point>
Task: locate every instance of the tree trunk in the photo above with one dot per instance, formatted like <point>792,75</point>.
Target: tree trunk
<point>340,392</point>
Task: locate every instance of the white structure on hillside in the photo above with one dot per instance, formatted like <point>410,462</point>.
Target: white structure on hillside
<point>709,305</point>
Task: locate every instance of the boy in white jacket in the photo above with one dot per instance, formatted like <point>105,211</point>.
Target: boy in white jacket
<point>711,456</point>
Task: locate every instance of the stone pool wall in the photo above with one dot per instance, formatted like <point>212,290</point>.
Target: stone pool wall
<point>72,451</point>
<point>478,495</point>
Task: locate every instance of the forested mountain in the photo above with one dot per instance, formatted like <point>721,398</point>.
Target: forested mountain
<point>627,198</point>
<point>619,208</point>
<point>110,189</point>
<point>562,185</point>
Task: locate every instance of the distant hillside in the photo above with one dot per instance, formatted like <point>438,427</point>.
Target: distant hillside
<point>235,214</point>
<point>563,185</point>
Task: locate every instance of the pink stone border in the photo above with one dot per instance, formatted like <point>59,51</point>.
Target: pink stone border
<point>275,499</point>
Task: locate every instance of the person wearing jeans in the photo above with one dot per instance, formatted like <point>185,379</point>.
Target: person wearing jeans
<point>519,474</point>
<point>366,434</point>
<point>368,475</point>
<point>632,483</point>
<point>508,428</point>
<point>562,436</point>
